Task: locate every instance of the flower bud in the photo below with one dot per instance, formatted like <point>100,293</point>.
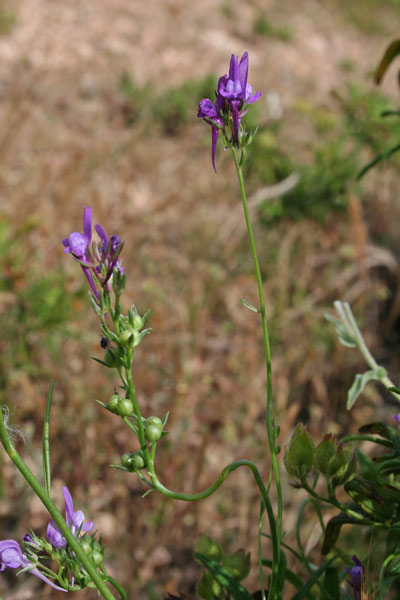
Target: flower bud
<point>324,453</point>
<point>153,428</point>
<point>112,358</point>
<point>299,454</point>
<point>138,322</point>
<point>350,470</point>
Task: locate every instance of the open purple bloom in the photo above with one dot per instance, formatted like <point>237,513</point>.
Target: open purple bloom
<point>357,574</point>
<point>78,243</point>
<point>11,556</point>
<point>74,520</point>
<point>397,418</point>
<point>234,94</point>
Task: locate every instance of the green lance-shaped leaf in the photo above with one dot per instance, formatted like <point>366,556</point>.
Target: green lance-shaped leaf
<point>223,578</point>
<point>361,381</point>
<point>331,585</point>
<point>390,53</point>
<point>369,499</point>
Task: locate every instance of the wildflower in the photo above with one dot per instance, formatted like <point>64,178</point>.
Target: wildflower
<point>98,260</point>
<point>357,573</point>
<point>233,97</point>
<point>75,521</point>
<point>397,418</point>
<point>12,556</point>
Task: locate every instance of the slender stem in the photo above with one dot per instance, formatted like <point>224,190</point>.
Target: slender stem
<point>51,507</point>
<point>268,416</point>
<point>46,442</point>
<point>260,564</point>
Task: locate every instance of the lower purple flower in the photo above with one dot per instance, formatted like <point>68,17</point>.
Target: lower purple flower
<point>357,575</point>
<point>11,556</point>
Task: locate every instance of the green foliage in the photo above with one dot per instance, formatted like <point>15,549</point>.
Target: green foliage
<point>222,571</point>
<point>33,304</point>
<point>8,19</point>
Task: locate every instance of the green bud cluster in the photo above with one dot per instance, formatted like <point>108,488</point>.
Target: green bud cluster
<point>153,429</point>
<point>332,459</point>
<point>133,461</point>
<point>335,461</point>
<point>132,329</point>
<point>92,548</point>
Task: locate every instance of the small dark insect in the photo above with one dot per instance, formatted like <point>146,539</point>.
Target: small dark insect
<point>104,342</point>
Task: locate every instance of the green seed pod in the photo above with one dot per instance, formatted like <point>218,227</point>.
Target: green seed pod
<point>113,402</point>
<point>137,322</point>
<point>299,454</point>
<point>324,453</point>
<point>126,337</point>
<point>97,557</point>
<point>133,461</point>
<point>153,428</point>
<point>125,407</point>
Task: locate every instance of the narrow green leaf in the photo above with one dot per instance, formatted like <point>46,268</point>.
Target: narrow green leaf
<point>342,333</point>
<point>290,577</point>
<point>331,584</point>
<point>390,53</point>
<point>46,441</point>
<point>302,593</point>
<point>361,381</point>
<point>250,306</point>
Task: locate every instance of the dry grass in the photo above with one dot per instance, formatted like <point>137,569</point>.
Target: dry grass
<point>64,143</point>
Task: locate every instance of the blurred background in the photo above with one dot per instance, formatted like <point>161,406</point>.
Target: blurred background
<point>98,106</point>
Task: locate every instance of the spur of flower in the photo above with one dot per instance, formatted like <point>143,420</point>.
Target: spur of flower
<point>98,260</point>
<point>12,557</point>
<point>234,96</point>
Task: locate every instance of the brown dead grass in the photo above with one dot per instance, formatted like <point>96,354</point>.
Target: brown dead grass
<point>64,144</point>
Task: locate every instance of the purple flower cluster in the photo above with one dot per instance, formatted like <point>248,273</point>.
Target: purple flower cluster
<point>98,261</point>
<point>233,97</point>
<point>12,556</point>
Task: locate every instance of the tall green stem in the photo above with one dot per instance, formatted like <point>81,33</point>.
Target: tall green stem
<point>267,351</point>
<point>51,507</point>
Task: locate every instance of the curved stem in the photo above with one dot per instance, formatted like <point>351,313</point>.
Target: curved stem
<point>51,507</point>
<point>268,416</point>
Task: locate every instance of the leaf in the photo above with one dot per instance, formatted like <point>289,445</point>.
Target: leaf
<point>223,577</point>
<point>342,333</point>
<point>378,158</point>
<point>390,53</point>
<point>238,564</point>
<point>250,306</point>
<point>209,547</point>
<point>331,584</point>
<point>302,593</point>
<point>290,577</point>
<point>332,530</point>
<point>361,381</point>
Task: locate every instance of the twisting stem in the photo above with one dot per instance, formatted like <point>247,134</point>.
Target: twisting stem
<point>51,507</point>
<point>268,416</point>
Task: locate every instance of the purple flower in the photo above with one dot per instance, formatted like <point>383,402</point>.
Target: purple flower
<point>12,556</point>
<point>77,243</point>
<point>97,260</point>
<point>233,96</point>
<point>357,574</point>
<point>75,521</point>
<point>397,418</point>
